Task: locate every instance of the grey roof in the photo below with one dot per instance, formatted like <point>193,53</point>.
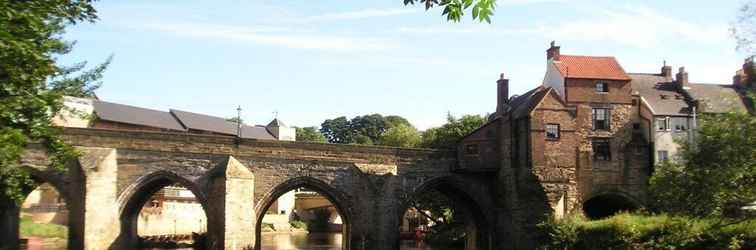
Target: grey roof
<point>715,98</point>
<point>276,123</point>
<point>219,125</point>
<point>135,115</point>
<point>522,105</point>
<point>660,93</point>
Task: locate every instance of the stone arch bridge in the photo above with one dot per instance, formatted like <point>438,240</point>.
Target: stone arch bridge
<point>236,180</point>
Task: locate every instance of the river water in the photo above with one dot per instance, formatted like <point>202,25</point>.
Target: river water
<point>324,241</point>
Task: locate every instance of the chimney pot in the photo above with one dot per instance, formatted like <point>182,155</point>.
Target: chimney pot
<point>502,94</point>
<point>666,70</point>
<point>553,52</point>
<point>682,79</point>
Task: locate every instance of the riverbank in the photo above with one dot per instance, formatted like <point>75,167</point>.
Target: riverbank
<point>636,231</point>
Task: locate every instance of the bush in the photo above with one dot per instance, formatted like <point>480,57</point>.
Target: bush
<point>44,230</point>
<point>634,231</point>
<point>298,224</point>
<point>320,221</point>
<point>267,227</point>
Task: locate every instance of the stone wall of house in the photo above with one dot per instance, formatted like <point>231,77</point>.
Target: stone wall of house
<point>584,91</point>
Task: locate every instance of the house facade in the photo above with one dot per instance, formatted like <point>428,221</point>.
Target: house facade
<point>588,137</point>
<point>578,137</point>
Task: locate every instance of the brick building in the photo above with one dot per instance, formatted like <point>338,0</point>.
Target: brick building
<point>588,137</point>
<point>577,138</point>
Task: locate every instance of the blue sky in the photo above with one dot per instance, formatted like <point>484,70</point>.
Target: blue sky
<point>312,60</point>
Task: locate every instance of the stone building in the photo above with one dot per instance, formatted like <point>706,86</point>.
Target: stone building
<point>587,138</point>
<point>673,105</point>
<point>576,138</point>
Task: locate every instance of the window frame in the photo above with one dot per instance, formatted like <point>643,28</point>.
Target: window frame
<point>606,155</point>
<point>606,119</point>
<point>664,121</point>
<point>558,131</point>
<point>675,121</point>
<point>659,157</point>
<point>603,89</point>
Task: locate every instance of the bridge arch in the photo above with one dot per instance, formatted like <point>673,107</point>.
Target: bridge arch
<point>607,203</point>
<point>136,195</point>
<point>462,196</point>
<point>10,211</point>
<point>336,197</point>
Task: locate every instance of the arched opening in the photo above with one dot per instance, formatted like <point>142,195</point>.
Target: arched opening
<point>41,221</point>
<point>164,212</point>
<point>439,215</point>
<point>302,213</point>
<point>605,205</point>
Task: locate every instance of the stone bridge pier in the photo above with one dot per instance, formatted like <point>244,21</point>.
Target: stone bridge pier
<point>237,181</point>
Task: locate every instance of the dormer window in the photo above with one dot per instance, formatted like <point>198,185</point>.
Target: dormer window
<point>602,87</point>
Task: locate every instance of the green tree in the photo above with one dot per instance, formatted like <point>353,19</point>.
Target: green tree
<point>744,27</point>
<point>717,173</point>
<point>310,134</point>
<point>337,130</point>
<point>401,135</point>
<point>449,134</point>
<point>482,10</point>
<point>30,38</point>
<point>367,129</point>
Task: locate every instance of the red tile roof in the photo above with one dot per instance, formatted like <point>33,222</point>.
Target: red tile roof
<point>590,67</point>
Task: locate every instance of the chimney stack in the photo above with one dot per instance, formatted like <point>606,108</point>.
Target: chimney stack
<point>553,52</point>
<point>502,96</point>
<point>682,79</point>
<point>666,70</point>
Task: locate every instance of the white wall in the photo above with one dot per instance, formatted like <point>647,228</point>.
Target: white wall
<point>174,217</point>
<point>76,114</point>
<point>668,140</point>
<point>554,79</point>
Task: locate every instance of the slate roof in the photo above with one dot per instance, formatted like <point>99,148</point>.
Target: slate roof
<point>660,93</point>
<point>276,123</point>
<point>115,112</point>
<point>715,98</point>
<point>522,105</point>
<point>590,67</point>
<point>219,125</point>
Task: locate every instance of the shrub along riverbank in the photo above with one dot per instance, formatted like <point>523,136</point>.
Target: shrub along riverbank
<point>636,231</point>
<point>43,230</point>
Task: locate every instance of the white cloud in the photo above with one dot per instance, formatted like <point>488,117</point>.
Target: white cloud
<point>361,14</point>
<point>277,36</point>
<point>635,26</point>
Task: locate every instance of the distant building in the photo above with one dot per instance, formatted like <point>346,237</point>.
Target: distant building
<point>174,208</point>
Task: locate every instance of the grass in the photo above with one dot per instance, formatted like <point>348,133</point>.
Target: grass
<point>28,228</point>
<point>298,224</point>
<point>640,231</point>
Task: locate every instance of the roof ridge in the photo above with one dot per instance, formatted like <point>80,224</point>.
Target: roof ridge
<point>588,56</point>
<point>130,106</point>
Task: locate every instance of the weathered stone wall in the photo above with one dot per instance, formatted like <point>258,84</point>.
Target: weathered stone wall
<point>370,186</point>
<point>584,91</point>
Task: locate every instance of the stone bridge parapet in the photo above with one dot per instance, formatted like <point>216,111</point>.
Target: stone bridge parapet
<point>235,181</point>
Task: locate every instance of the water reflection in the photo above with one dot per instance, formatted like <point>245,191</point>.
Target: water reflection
<point>326,241</point>
<point>419,245</point>
<point>301,241</point>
